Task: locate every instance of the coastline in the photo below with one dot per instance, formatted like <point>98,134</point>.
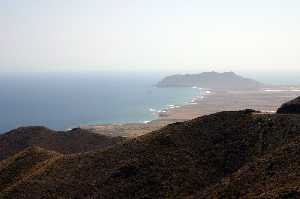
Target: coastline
<point>265,100</point>
<point>210,101</point>
<point>135,129</point>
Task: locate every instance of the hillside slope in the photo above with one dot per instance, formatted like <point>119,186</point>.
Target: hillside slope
<point>74,141</point>
<point>276,175</point>
<point>23,165</point>
<point>178,161</point>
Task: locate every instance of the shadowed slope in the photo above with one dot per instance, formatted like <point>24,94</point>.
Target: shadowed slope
<point>74,141</point>
<point>291,107</point>
<point>174,162</point>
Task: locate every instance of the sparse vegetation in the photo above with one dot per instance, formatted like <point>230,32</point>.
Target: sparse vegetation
<point>235,154</point>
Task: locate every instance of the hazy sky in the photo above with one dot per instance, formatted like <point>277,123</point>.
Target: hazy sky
<point>168,35</point>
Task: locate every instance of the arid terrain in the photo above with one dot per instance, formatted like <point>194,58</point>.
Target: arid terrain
<point>230,154</point>
<point>224,144</point>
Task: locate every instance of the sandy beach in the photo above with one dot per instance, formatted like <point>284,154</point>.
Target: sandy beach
<point>264,100</point>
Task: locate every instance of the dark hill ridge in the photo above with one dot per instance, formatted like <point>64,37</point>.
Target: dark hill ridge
<point>181,160</point>
<point>211,80</point>
<point>291,107</point>
<point>75,141</point>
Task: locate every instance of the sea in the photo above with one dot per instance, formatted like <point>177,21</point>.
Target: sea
<point>67,100</point>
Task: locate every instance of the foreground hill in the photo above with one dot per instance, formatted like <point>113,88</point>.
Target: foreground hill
<point>74,141</point>
<point>182,160</point>
<point>211,80</point>
<point>275,175</point>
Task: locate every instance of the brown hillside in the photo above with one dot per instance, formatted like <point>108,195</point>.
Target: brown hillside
<point>275,175</point>
<point>24,164</point>
<point>178,161</point>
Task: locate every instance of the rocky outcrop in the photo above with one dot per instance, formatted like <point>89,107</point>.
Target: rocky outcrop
<point>291,107</point>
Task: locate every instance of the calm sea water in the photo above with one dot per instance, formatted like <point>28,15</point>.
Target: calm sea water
<point>62,101</point>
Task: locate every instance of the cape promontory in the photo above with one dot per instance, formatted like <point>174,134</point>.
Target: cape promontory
<point>211,80</point>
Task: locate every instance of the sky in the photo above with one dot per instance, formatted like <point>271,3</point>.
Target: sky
<point>141,35</point>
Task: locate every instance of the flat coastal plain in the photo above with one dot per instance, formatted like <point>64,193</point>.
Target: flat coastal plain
<point>265,100</point>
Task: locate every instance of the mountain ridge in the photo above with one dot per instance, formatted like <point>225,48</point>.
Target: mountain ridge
<point>74,141</point>
<point>198,152</point>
